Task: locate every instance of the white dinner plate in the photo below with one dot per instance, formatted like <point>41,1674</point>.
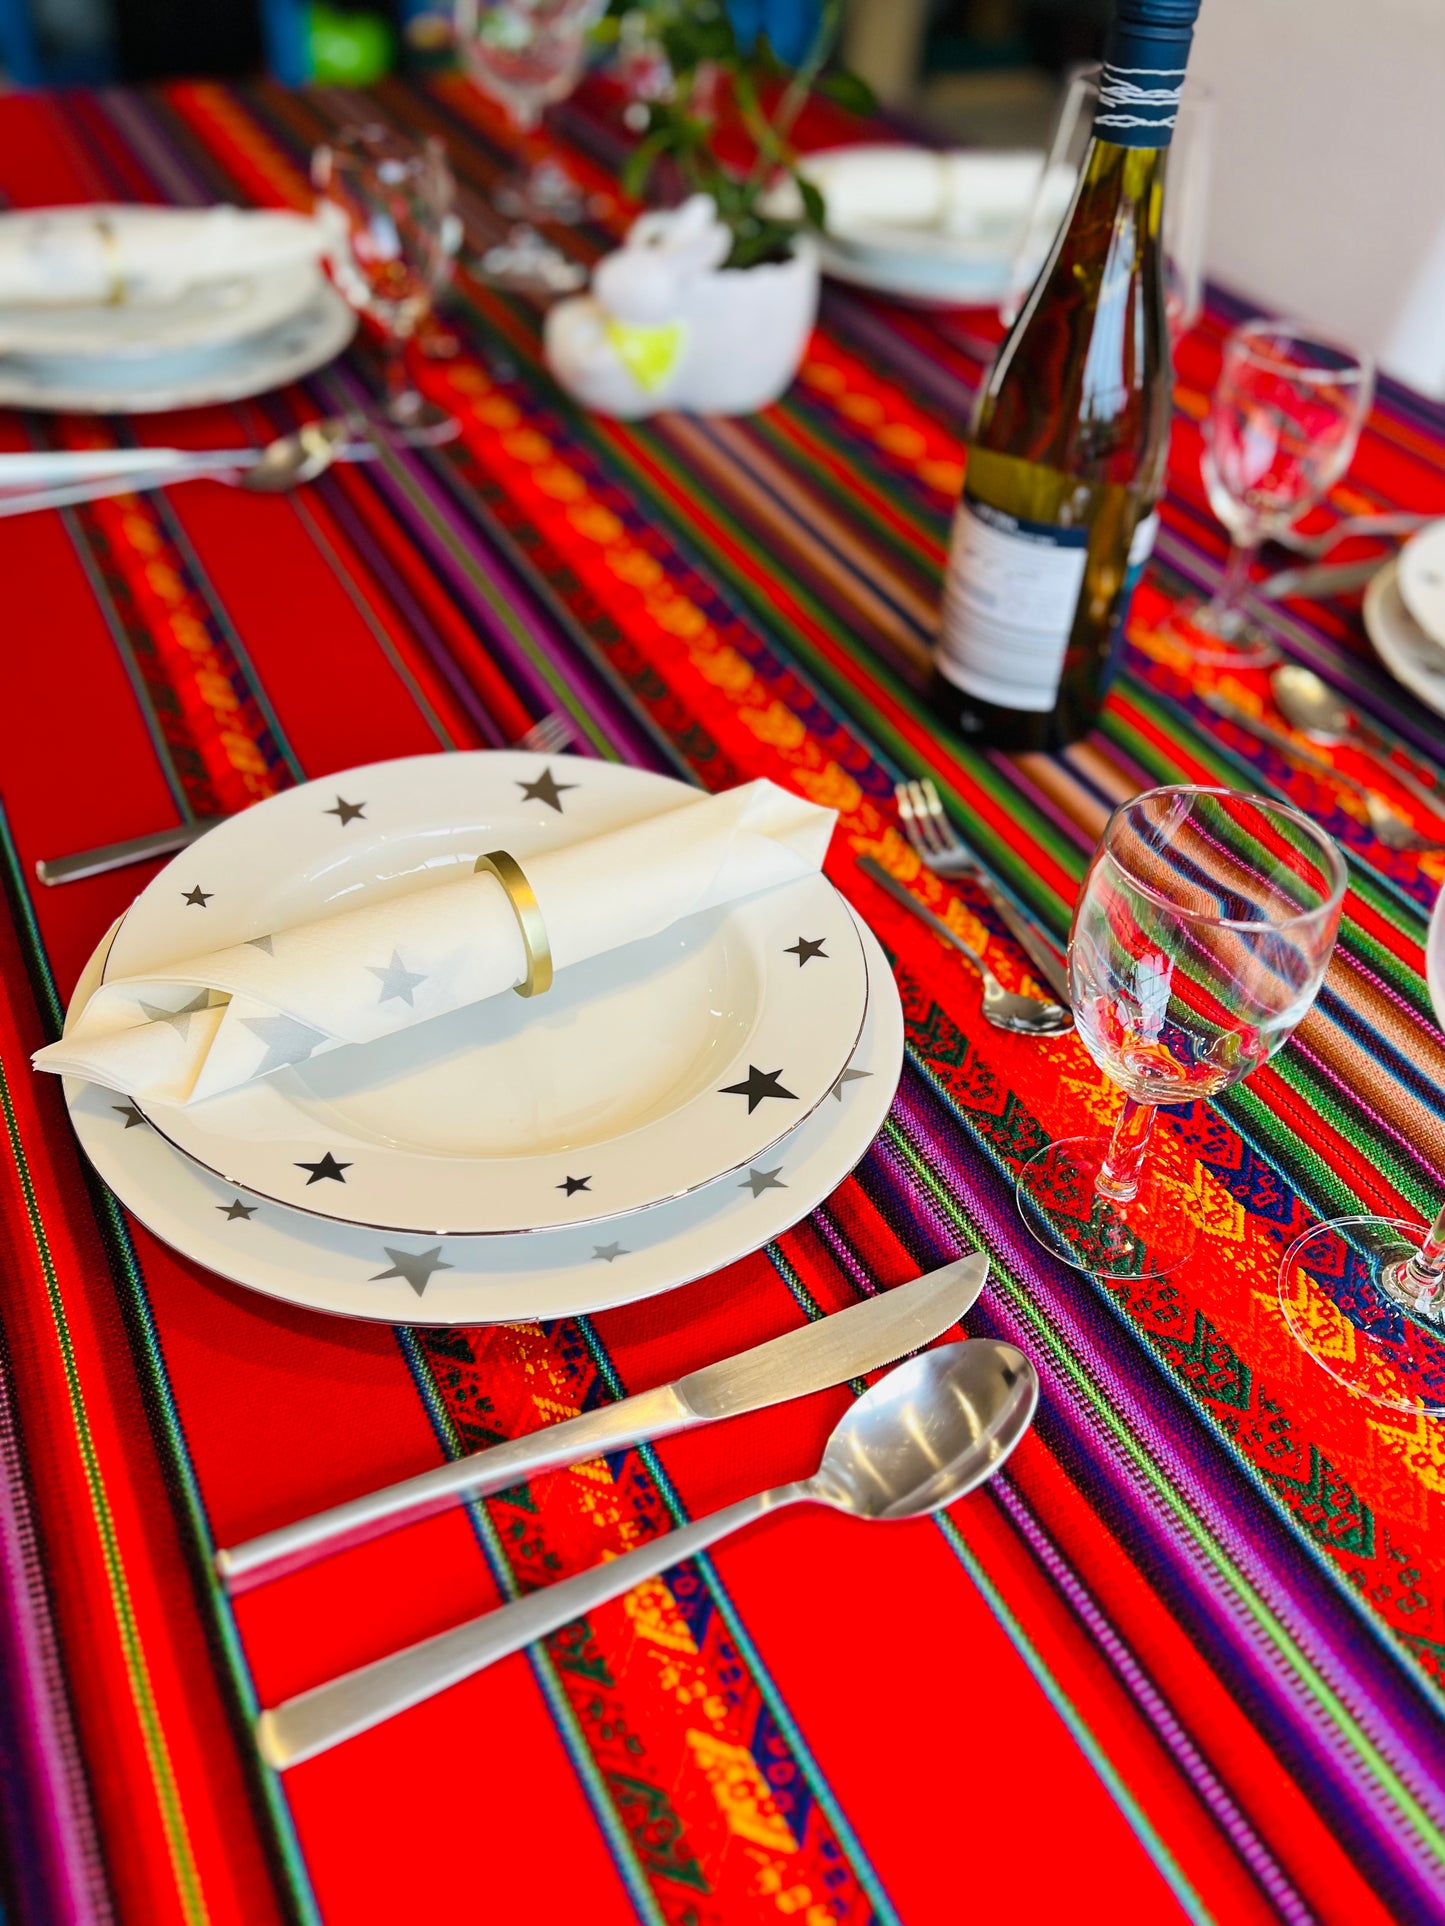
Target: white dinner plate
<point>640,1075</point>
<point>187,377</point>
<point>1435,958</point>
<point>1421,572</point>
<point>205,316</point>
<point>1402,645</point>
<point>493,1280</point>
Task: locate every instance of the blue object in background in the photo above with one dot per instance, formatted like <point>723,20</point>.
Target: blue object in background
<point>790,25</point>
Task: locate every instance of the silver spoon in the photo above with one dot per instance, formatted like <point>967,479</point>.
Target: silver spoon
<point>923,1436</point>
<point>1004,1009</point>
<point>1310,705</point>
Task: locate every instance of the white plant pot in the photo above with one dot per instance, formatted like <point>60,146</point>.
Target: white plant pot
<point>730,343</point>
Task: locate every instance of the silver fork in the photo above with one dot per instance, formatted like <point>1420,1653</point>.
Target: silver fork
<point>548,737</point>
<point>1393,522</point>
<point>937,844</point>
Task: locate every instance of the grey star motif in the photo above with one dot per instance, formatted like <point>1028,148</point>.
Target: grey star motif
<point>396,980</point>
<point>607,1252</point>
<point>287,1040</point>
<point>417,1267</point>
<point>757,1181</point>
<point>197,897</point>
<point>849,1076</point>
<point>327,1166</point>
<point>546,789</point>
<point>757,1086</point>
<point>346,812</point>
<point>266,943</point>
<point>236,1209</point>
<point>573,1184</point>
<point>806,948</point>
<point>179,1019</point>
<point>130,1113</point>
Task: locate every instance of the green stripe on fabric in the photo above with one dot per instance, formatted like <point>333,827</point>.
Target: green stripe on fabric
<point>1310,1681</point>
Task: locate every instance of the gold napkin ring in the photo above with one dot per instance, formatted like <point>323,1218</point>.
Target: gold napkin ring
<point>508,872</point>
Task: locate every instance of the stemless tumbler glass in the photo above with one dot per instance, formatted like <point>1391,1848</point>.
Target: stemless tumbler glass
<point>387,203</point>
<point>1281,431</point>
<point>1201,937</point>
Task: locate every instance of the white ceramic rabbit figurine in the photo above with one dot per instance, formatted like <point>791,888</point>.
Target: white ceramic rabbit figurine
<point>667,326</point>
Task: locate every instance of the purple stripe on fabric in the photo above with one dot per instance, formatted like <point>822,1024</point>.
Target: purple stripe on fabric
<point>1218,1491</point>
<point>1151,1702</point>
<point>56,1864</point>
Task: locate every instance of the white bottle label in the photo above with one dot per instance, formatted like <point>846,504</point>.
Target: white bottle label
<point>1009,602</point>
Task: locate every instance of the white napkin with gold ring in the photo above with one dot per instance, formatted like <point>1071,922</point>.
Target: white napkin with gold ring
<point>144,256</point>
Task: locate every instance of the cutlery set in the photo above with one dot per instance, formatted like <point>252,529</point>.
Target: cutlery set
<point>926,1434</point>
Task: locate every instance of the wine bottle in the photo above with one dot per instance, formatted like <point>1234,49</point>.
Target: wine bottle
<point>1071,431</point>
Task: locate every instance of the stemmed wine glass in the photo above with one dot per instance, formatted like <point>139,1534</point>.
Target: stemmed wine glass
<point>387,204</point>
<point>1201,937</point>
<point>1281,431</point>
<point>1365,1297</point>
<point>526,54</point>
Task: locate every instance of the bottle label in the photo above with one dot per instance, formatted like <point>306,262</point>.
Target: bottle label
<point>1009,602</point>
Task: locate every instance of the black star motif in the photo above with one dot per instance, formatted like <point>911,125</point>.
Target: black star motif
<point>197,897</point>
<point>236,1209</point>
<point>757,1181</point>
<point>545,789</point>
<point>327,1167</point>
<point>416,1267</point>
<point>607,1252</point>
<point>346,812</point>
<point>573,1184</point>
<point>806,948</point>
<point>758,1085</point>
<point>849,1076</point>
<point>130,1113</point>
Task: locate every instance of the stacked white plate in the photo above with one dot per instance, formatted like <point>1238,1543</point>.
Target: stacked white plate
<point>1405,615</point>
<point>934,229</point>
<point>135,309</point>
<point>662,1110</point>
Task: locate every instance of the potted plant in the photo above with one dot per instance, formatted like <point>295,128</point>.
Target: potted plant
<point>708,305</point>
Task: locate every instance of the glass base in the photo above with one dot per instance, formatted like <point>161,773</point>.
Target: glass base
<point>1059,1200</point>
<point>1348,1302</point>
<point>546,192</point>
<point>421,420</point>
<point>1224,637</point>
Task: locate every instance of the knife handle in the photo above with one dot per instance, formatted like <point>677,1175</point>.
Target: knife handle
<point>612,1427</point>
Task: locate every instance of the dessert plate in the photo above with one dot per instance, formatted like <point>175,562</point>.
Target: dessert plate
<point>1420,568</point>
<point>352,1272</point>
<point>1410,655</point>
<point>640,1075</point>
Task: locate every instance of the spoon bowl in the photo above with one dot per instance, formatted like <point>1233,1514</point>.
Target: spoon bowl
<point>1309,704</point>
<point>929,1432</point>
<point>1007,1010</point>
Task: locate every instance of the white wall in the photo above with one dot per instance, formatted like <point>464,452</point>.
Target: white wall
<point>1328,202</point>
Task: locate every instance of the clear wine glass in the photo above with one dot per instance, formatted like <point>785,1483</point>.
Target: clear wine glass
<point>1281,431</point>
<point>527,54</point>
<point>387,204</point>
<point>1365,1296</point>
<point>1200,939</point>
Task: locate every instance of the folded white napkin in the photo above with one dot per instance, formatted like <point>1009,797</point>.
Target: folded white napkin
<point>195,1028</point>
<point>147,255</point>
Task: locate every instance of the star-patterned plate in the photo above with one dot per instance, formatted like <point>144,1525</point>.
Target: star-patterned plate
<point>640,1075</point>
<point>493,1280</point>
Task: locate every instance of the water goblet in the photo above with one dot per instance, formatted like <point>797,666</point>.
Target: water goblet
<point>386,203</point>
<point>527,54</point>
<point>1280,432</point>
<point>1200,939</point>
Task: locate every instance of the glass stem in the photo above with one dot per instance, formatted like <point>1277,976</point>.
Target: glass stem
<point>1118,1179</point>
<point>1238,569</point>
<point>1426,1269</point>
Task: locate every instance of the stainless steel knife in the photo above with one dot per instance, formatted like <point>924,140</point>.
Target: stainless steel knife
<point>829,1351</point>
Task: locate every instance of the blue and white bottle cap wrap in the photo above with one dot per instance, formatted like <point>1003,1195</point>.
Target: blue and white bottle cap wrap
<point>1142,76</point>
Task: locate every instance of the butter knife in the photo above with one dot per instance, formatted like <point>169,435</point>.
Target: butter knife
<point>829,1351</point>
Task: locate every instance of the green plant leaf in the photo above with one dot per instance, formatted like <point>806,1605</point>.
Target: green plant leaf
<point>849,91</point>
<point>815,211</point>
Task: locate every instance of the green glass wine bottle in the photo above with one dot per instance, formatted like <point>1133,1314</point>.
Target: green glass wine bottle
<point>1071,431</point>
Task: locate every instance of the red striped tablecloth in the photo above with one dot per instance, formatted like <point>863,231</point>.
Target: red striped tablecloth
<point>1186,1656</point>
